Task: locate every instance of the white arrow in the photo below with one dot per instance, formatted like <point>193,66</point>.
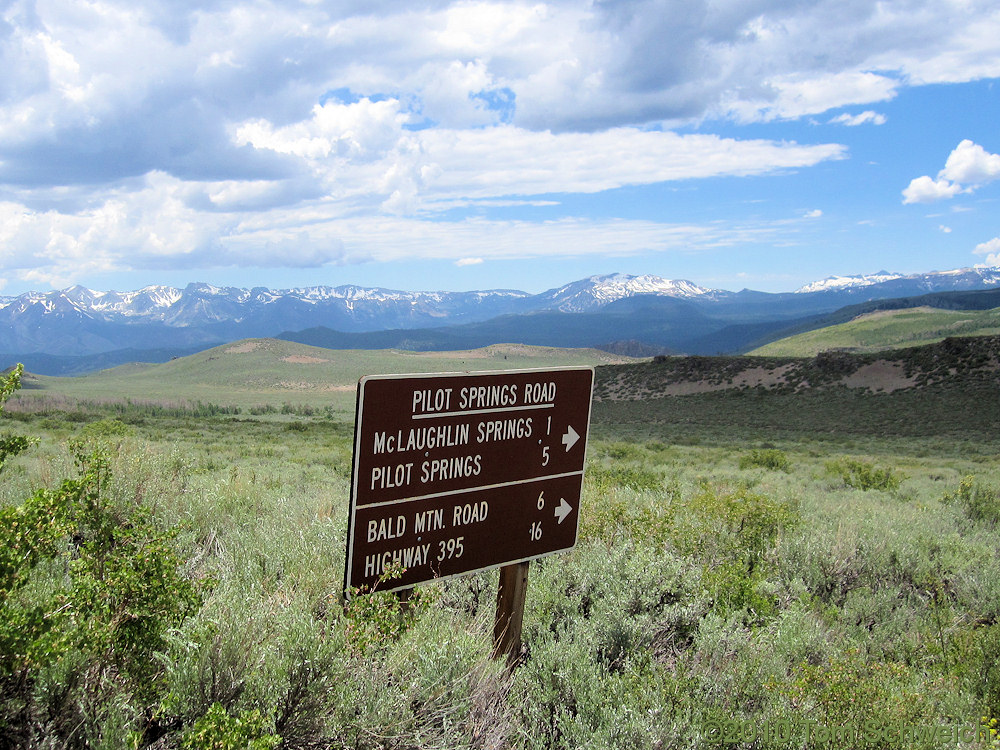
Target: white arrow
<point>563,510</point>
<point>570,438</point>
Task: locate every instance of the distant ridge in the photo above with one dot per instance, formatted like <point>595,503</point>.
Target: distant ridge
<point>890,328</point>
<point>961,278</point>
<point>978,300</point>
<point>76,330</point>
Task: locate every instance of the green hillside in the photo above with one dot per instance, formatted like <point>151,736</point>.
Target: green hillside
<point>887,329</point>
<point>271,371</point>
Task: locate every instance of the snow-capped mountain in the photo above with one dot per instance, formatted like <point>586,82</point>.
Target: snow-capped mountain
<point>82,322</point>
<point>347,308</point>
<point>262,311</point>
<point>934,281</point>
<point>597,291</point>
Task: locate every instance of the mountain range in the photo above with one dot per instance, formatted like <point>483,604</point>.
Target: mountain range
<point>76,329</point>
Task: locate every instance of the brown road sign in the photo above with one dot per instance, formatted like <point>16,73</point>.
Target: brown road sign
<point>455,473</point>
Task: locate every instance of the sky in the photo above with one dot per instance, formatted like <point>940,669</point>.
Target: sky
<point>436,145</point>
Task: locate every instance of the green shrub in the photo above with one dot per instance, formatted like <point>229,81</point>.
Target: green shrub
<point>602,478</point>
<point>771,459</point>
<point>734,535</point>
<point>217,730</point>
<point>740,525</point>
<point>860,703</point>
<point>977,501</point>
<point>735,589</point>
<point>731,535</point>
<point>105,428</point>
<point>11,445</point>
<point>624,452</point>
<point>978,663</point>
<point>862,475</point>
<point>377,618</point>
<point>88,584</point>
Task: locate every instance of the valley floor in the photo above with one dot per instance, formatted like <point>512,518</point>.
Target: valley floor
<point>754,570</point>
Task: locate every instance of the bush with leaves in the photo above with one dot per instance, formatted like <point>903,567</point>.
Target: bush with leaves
<point>11,445</point>
<point>857,702</point>
<point>979,502</point>
<point>87,592</point>
<point>734,534</point>
<point>771,459</point>
<point>376,618</point>
<point>217,730</point>
<point>863,475</point>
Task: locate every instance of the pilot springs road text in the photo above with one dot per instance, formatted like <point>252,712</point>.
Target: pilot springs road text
<point>482,397</point>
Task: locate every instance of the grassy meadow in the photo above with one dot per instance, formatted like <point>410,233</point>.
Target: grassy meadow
<point>753,571</point>
<point>887,329</point>
<point>270,372</point>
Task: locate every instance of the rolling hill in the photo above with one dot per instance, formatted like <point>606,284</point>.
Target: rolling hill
<point>887,329</point>
<point>949,388</point>
<point>272,371</point>
<point>952,362</point>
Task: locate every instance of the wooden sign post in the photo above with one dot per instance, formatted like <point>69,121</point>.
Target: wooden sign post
<point>510,612</point>
<point>457,473</point>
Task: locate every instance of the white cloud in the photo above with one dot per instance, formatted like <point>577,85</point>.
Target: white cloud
<point>555,66</point>
<point>814,214</point>
<point>945,229</point>
<point>511,161</point>
<point>363,151</point>
<point>361,131</point>
<point>865,117</point>
<point>157,229</point>
<point>969,164</point>
<point>800,94</point>
<point>217,132</point>
<point>991,249</point>
<point>926,190</point>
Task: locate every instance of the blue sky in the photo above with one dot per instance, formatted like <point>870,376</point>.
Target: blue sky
<point>473,145</point>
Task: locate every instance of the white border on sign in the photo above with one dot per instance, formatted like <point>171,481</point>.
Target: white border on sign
<point>359,410</point>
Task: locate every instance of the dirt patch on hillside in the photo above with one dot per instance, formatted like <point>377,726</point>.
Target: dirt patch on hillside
<point>881,376</point>
<point>527,351</point>
<point>244,348</point>
<point>303,385</point>
<point>876,314</point>
<point>677,378</point>
<point>302,359</point>
<point>762,377</point>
